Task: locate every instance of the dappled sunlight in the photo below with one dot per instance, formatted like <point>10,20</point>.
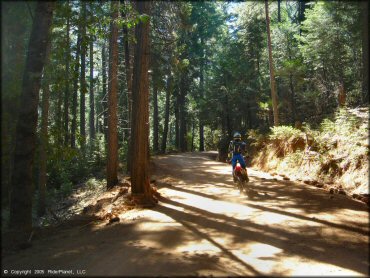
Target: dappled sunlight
<point>203,225</point>
<point>284,230</point>
<point>226,207</point>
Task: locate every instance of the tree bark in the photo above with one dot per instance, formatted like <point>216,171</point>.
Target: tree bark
<point>66,94</point>
<point>42,152</point>
<point>128,70</point>
<point>177,119</point>
<point>92,101</point>
<point>42,181</point>
<point>104,92</point>
<point>155,118</point>
<point>25,144</point>
<point>272,73</point>
<point>182,115</point>
<point>166,114</point>
<point>201,87</point>
<point>83,90</point>
<point>140,186</point>
<point>365,52</point>
<point>75,90</point>
<point>112,156</point>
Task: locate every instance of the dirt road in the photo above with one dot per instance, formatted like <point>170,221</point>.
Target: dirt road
<point>204,226</point>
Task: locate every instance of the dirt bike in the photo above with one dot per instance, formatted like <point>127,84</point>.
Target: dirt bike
<point>241,177</point>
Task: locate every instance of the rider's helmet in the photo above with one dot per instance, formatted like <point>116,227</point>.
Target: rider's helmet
<point>237,136</point>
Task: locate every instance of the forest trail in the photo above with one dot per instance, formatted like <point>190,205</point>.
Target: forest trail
<point>204,226</point>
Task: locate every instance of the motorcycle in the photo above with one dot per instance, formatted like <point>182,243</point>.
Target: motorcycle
<point>241,177</point>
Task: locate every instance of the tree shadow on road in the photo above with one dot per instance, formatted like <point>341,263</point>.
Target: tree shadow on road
<point>304,242</point>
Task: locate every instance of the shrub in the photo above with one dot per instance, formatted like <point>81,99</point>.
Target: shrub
<point>284,133</point>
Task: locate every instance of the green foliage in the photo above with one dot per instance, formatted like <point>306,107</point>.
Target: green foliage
<point>284,133</point>
<point>257,139</point>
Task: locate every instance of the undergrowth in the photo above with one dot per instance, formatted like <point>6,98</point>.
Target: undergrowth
<point>335,152</point>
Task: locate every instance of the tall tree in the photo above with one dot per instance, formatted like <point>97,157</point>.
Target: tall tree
<point>66,92</point>
<point>112,157</point>
<point>166,113</point>
<point>104,91</point>
<point>21,193</point>
<point>140,186</point>
<point>128,70</point>
<point>155,117</point>
<point>271,65</point>
<point>91,99</point>
<point>16,27</point>
<point>83,85</point>
<point>365,51</point>
<point>75,91</point>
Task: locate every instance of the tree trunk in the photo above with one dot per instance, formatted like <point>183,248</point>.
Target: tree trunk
<point>129,93</point>
<point>365,52</point>
<point>279,10</point>
<point>140,186</point>
<point>42,150</point>
<point>66,95</point>
<point>25,144</point>
<point>104,92</point>
<point>112,156</point>
<point>177,119</point>
<point>201,87</point>
<point>75,90</point>
<point>182,114</point>
<point>83,90</point>
<point>92,102</point>
<point>292,98</point>
<point>58,121</point>
<point>155,118</point>
<point>301,14</point>
<point>271,65</point>
<point>166,114</point>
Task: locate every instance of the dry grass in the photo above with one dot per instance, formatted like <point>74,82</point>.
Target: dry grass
<point>335,154</point>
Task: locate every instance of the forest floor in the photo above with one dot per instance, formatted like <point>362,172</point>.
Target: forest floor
<point>203,226</point>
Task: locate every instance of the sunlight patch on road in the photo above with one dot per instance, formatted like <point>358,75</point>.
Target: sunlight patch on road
<point>197,246</point>
<point>261,256</point>
<point>270,260</point>
<point>214,206</point>
<point>295,266</point>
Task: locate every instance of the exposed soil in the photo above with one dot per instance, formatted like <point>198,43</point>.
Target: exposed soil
<point>202,225</point>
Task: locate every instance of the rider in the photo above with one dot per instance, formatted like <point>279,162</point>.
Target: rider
<point>237,147</point>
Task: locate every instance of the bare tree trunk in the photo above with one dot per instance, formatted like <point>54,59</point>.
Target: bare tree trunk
<point>42,151</point>
<point>182,116</point>
<point>292,98</point>
<point>75,90</point>
<point>25,144</point>
<point>112,156</point>
<point>58,121</point>
<point>140,186</point>
<point>41,205</point>
<point>92,102</point>
<point>365,52</point>
<point>166,114</point>
<point>83,90</point>
<point>272,73</point>
<point>66,95</point>
<point>155,118</point>
<point>201,87</point>
<point>104,92</point>
<point>279,10</point>
<point>129,93</point>
<point>177,119</point>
